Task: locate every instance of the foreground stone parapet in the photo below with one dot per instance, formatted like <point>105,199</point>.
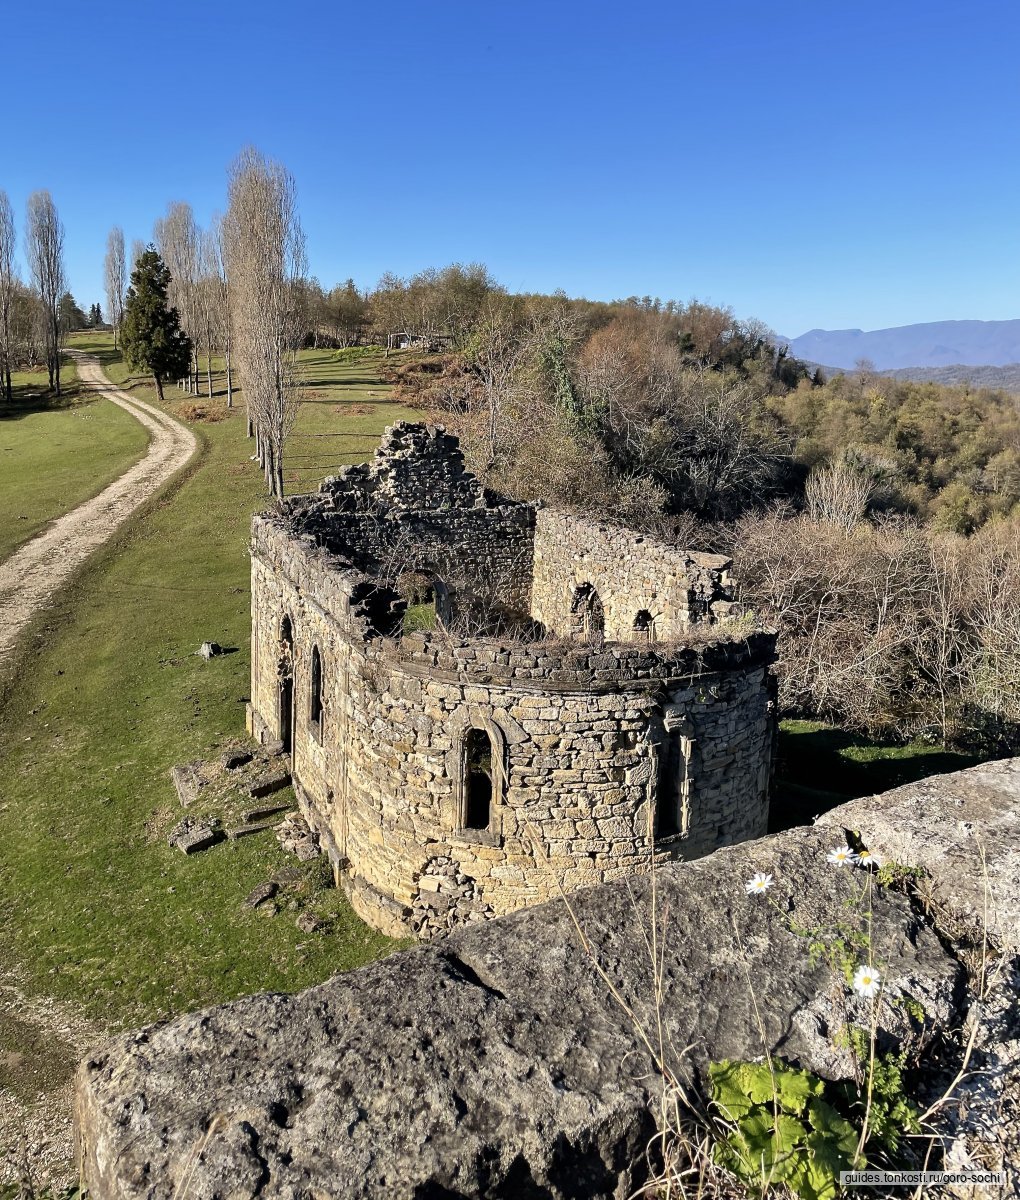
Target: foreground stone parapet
<point>497,1062</point>
<point>964,830</point>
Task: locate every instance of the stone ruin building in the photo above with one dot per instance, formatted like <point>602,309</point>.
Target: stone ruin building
<point>486,701</point>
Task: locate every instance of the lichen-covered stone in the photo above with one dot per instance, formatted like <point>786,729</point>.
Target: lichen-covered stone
<point>497,1062</point>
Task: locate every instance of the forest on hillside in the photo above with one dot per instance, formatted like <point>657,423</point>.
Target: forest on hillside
<point>874,521</point>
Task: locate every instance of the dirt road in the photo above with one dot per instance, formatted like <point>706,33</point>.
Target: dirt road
<point>35,1117</point>
<point>33,574</point>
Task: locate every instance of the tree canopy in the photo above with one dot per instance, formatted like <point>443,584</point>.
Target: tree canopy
<point>151,333</point>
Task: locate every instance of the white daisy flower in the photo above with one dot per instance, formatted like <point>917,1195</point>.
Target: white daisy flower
<point>867,981</point>
<point>870,858</point>
<point>841,856</point>
<point>759,885</point>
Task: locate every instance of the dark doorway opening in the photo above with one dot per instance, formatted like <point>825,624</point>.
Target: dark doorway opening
<point>587,616</point>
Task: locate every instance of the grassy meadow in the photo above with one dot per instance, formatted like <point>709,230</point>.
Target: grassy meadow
<point>108,695</point>
<point>57,452</point>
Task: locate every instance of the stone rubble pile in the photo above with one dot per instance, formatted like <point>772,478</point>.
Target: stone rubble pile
<point>446,898</point>
<point>296,837</point>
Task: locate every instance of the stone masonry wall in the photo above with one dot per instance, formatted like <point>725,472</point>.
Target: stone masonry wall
<point>583,739</point>
<point>415,508</point>
<point>631,572</point>
<point>594,756</point>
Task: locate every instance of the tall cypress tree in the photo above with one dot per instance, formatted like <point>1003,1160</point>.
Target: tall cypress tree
<point>151,335</point>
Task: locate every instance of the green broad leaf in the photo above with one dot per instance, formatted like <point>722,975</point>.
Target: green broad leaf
<point>834,1128</point>
<point>789,1133</point>
<point>796,1088</point>
<point>755,1134</point>
<point>727,1093</point>
<point>755,1081</point>
<point>826,1163</point>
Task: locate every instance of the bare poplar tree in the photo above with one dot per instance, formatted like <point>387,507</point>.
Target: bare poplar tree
<point>178,239</point>
<point>44,236</point>
<point>265,260</point>
<point>137,250</point>
<point>220,299</point>
<point>116,279</point>
<point>8,284</point>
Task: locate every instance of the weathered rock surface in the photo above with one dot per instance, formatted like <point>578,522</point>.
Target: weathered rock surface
<point>295,836</point>
<point>233,760</point>
<point>262,893</point>
<point>495,1062</point>
<point>964,830</point>
<point>191,836</point>
<point>188,781</point>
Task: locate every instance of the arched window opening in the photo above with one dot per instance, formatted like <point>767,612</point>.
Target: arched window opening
<point>285,677</point>
<point>673,791</point>
<point>441,602</point>
<point>428,602</point>
<point>315,699</point>
<point>478,779</point>
<point>587,616</point>
<point>644,626</point>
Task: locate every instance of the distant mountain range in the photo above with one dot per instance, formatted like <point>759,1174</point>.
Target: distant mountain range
<point>936,344</point>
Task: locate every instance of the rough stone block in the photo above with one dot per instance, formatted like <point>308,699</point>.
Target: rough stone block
<point>198,837</point>
<point>242,831</point>
<point>187,781</point>
<point>565,1094</point>
<point>266,785</point>
<point>262,893</point>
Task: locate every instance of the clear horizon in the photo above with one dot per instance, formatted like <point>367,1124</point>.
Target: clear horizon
<point>837,169</point>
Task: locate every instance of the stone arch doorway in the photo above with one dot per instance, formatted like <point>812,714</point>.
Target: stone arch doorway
<point>587,616</point>
<point>285,674</point>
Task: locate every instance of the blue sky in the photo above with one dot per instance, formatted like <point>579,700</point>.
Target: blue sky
<point>809,163</point>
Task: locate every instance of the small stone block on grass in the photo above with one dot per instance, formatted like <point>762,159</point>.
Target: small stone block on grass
<point>187,781</point>
<point>309,923</point>
<point>232,760</point>
<point>266,785</point>
<point>190,841</point>
<point>259,895</point>
<point>261,814</point>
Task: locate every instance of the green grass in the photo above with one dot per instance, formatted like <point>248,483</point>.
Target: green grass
<point>820,766</point>
<point>109,695</point>
<point>345,407</point>
<point>56,453</point>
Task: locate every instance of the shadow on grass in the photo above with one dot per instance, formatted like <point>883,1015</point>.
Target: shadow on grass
<point>33,398</point>
<point>820,767</point>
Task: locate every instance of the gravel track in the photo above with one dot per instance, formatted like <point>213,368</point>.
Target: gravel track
<point>34,573</point>
<point>35,1134</point>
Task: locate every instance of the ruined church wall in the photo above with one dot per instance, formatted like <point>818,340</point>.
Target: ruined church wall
<point>484,553</point>
<point>580,735</point>
<point>630,571</point>
<point>584,758</point>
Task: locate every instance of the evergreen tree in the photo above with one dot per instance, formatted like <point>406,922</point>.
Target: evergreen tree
<point>151,335</point>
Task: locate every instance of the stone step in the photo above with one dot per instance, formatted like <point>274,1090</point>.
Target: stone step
<point>187,782</point>
<point>199,838</point>
<point>260,814</point>
<point>266,785</point>
<point>241,831</point>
